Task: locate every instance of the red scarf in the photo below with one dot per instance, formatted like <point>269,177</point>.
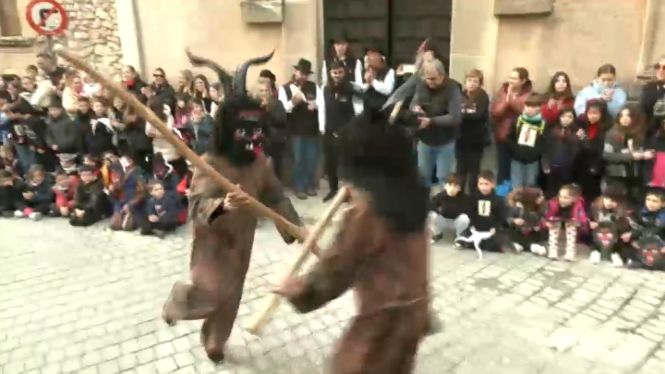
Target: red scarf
<point>592,130</point>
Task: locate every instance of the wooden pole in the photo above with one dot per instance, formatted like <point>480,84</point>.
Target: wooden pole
<point>147,114</point>
<point>261,318</point>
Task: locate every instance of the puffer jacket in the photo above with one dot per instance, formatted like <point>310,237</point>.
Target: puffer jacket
<point>619,162</point>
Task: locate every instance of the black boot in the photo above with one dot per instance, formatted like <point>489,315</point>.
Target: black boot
<point>329,196</point>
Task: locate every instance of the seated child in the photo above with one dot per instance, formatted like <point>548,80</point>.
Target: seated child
<point>608,222</point>
<point>37,194</point>
<point>9,161</point>
<point>487,215</point>
<point>90,201</point>
<point>449,209</point>
<point>648,234</point>
<point>64,190</point>
<point>10,193</point>
<point>565,211</point>
<point>162,211</point>
<point>127,195</point>
<point>526,208</point>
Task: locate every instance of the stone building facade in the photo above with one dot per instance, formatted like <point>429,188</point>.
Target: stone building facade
<point>494,35</point>
<point>92,32</point>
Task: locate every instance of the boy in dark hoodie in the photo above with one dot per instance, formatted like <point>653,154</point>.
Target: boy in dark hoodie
<point>10,193</point>
<point>37,194</point>
<point>449,209</point>
<point>63,135</point>
<point>648,234</point>
<point>163,209</point>
<point>90,201</point>
<point>526,144</point>
<point>127,195</point>
<point>486,214</point>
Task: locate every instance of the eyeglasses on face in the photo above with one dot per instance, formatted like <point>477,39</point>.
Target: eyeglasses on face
<point>659,66</point>
<point>158,75</point>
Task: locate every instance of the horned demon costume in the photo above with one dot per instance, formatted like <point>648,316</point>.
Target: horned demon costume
<point>222,238</point>
<point>381,251</point>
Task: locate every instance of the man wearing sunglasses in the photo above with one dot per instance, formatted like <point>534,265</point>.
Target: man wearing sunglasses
<point>652,99</point>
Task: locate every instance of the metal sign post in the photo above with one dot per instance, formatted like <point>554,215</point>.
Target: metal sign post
<point>48,18</point>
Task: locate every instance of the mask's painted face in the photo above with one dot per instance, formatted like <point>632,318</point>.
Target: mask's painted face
<point>248,141</point>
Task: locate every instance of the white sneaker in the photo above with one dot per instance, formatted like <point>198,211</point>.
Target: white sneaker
<point>518,247</point>
<point>19,214</point>
<point>616,260</point>
<point>553,254</point>
<point>538,249</point>
<point>594,257</point>
<point>569,256</point>
<point>35,216</point>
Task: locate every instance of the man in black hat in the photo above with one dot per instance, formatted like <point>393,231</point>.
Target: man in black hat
<point>340,52</point>
<point>305,109</point>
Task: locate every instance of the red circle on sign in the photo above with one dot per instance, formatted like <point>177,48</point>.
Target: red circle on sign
<point>42,13</point>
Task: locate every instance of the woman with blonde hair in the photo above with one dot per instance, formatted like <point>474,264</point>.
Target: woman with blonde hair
<point>73,89</point>
<point>186,82</point>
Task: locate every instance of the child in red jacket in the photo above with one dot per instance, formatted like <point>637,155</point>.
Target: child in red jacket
<point>64,189</point>
<point>565,211</point>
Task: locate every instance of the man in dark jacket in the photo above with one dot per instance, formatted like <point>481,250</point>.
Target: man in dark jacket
<point>438,106</point>
<point>338,98</point>
<point>63,135</point>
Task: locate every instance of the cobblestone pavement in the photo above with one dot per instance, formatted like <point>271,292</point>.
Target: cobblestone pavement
<point>89,300</point>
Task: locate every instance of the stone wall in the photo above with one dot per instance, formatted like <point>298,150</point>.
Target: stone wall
<point>93,33</point>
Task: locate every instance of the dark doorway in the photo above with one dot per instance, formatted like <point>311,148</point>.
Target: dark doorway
<point>396,26</point>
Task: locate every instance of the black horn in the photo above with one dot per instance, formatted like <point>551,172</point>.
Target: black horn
<point>240,78</point>
<point>223,76</point>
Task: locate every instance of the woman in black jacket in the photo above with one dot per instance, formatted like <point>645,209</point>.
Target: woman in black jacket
<point>474,131</point>
<point>652,100</point>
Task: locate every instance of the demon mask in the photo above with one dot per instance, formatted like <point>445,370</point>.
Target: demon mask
<point>377,158</point>
<point>240,123</point>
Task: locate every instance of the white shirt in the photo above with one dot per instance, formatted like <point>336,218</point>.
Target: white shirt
<point>385,86</point>
<point>319,103</point>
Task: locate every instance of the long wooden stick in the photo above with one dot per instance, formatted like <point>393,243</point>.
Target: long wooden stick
<point>261,318</point>
<point>395,111</point>
<point>180,146</point>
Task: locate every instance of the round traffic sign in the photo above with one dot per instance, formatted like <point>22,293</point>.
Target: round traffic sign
<point>46,17</point>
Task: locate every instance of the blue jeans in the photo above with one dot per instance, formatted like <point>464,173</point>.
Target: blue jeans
<point>523,175</point>
<point>305,159</point>
<point>443,156</point>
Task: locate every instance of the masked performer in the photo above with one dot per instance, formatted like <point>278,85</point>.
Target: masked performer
<point>381,251</point>
<point>223,235</point>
